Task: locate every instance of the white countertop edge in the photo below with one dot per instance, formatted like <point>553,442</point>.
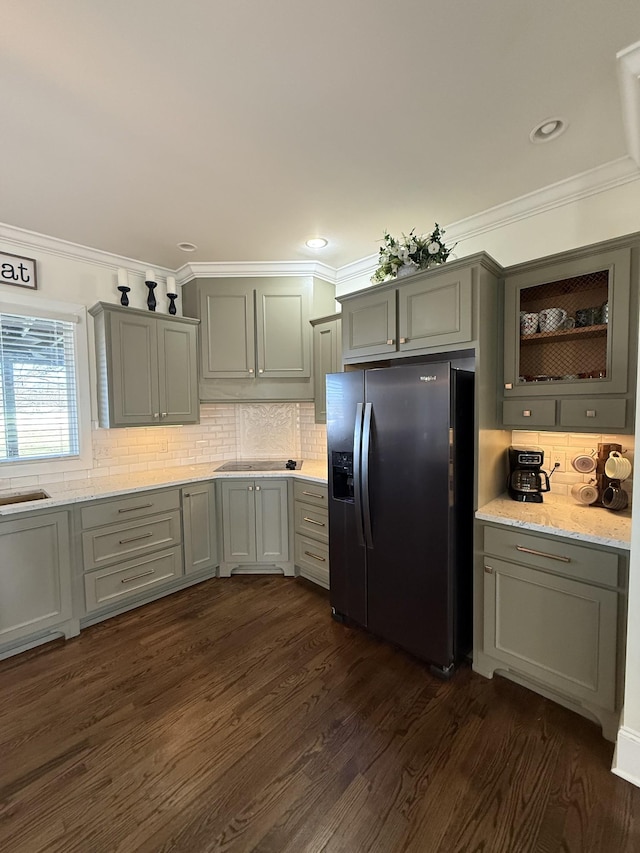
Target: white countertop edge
<point>173,477</point>
<point>580,536</point>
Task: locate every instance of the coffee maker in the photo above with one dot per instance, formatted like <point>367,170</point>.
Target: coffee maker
<point>527,481</point>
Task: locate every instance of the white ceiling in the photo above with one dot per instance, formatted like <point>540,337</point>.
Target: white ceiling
<point>247,126</point>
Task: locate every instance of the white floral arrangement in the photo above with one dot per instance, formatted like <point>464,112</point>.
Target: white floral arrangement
<point>421,252</point>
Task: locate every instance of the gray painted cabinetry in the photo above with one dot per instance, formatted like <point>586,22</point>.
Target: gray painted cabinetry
<point>255,335</point>
<point>431,310</point>
<point>146,366</point>
<point>255,526</point>
<point>554,617</point>
<point>312,531</point>
<point>327,358</point>
<point>35,581</point>
<point>574,370</point>
<point>199,526</point>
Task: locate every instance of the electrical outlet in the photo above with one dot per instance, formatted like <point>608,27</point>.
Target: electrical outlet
<point>556,457</point>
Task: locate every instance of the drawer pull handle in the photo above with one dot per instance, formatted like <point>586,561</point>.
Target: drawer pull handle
<point>135,538</point>
<point>315,557</point>
<point>390,342</point>
<point>312,521</point>
<point>404,340</point>
<point>314,495</point>
<point>133,508</point>
<point>136,577</point>
<point>526,413</point>
<point>543,554</point>
<point>590,413</point>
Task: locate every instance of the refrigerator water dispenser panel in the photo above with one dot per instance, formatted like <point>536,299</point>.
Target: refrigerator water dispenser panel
<point>342,475</point>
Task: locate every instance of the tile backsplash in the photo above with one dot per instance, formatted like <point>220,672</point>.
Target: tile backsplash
<point>226,431</point>
<point>562,447</point>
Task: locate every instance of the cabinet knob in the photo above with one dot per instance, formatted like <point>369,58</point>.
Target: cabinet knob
<point>156,415</point>
<point>260,370</point>
<point>403,340</point>
<point>488,570</point>
<point>257,488</point>
<point>390,342</point>
<point>250,488</point>
<point>251,370</point>
<point>163,415</point>
<point>508,386</point>
<point>590,413</point>
<point>526,413</point>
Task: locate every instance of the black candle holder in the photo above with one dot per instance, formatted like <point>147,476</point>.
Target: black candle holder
<point>172,302</point>
<point>151,299</point>
<point>124,299</point>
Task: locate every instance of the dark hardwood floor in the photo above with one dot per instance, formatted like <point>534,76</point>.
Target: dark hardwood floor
<point>237,716</point>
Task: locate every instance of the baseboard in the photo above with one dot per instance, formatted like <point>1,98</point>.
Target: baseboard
<point>626,759</point>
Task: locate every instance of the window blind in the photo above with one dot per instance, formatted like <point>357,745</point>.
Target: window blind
<point>38,397</point>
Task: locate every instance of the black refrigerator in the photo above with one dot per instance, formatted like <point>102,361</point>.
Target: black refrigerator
<point>401,483</point>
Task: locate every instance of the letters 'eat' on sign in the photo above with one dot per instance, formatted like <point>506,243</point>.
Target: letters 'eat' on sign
<point>18,271</point>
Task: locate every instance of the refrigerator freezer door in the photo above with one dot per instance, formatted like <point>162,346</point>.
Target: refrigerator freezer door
<point>348,572</point>
<point>409,580</point>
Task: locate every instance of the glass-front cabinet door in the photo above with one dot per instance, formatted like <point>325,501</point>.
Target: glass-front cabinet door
<point>567,327</point>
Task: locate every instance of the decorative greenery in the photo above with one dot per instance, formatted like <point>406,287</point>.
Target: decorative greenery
<point>422,252</point>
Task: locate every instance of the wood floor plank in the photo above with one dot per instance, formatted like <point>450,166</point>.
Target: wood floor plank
<point>237,717</point>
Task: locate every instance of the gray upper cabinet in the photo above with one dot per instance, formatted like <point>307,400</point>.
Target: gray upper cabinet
<point>427,312</point>
<point>327,358</point>
<point>255,335</point>
<point>146,367</point>
<point>570,335</point>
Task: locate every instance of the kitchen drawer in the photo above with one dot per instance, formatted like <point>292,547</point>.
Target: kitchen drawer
<point>312,522</point>
<point>557,556</point>
<point>123,509</point>
<point>529,413</point>
<point>127,580</point>
<point>597,414</point>
<point>311,493</point>
<point>117,541</point>
<point>312,558</point>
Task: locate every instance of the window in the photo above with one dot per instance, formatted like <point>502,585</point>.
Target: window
<point>45,400</point>
<point>38,396</point>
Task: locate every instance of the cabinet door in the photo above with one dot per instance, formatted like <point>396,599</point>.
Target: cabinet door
<point>272,521</point>
<point>369,325</point>
<point>435,311</point>
<point>132,370</point>
<point>35,575</point>
<point>560,632</point>
<point>199,524</point>
<point>589,295</point>
<point>238,521</point>
<point>326,359</point>
<point>228,339</point>
<point>283,332</point>
<point>177,373</point>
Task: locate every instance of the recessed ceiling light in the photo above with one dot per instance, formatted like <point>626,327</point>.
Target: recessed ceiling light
<point>316,243</point>
<point>187,247</point>
<point>548,129</point>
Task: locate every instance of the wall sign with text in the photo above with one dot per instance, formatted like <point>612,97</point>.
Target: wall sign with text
<point>18,271</point>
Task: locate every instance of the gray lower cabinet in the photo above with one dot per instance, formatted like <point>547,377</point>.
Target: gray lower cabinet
<point>553,615</point>
<point>312,531</point>
<point>131,550</point>
<point>199,527</point>
<point>255,526</point>
<point>327,358</point>
<point>35,581</point>
<point>430,311</point>
<point>146,367</point>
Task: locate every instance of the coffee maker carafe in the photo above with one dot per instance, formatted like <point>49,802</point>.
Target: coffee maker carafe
<point>527,481</point>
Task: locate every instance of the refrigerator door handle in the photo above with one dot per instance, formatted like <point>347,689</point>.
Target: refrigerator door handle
<point>357,485</point>
<point>366,507</point>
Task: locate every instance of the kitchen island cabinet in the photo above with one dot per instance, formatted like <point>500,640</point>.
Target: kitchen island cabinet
<point>35,581</point>
<point>255,527</point>
<point>146,367</point>
<point>553,618</point>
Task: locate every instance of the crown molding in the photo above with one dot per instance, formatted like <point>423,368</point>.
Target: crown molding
<point>33,241</point>
<point>629,80</point>
<point>247,269</point>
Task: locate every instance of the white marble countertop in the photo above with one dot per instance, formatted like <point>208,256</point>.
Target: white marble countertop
<point>562,516</point>
<point>94,488</point>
